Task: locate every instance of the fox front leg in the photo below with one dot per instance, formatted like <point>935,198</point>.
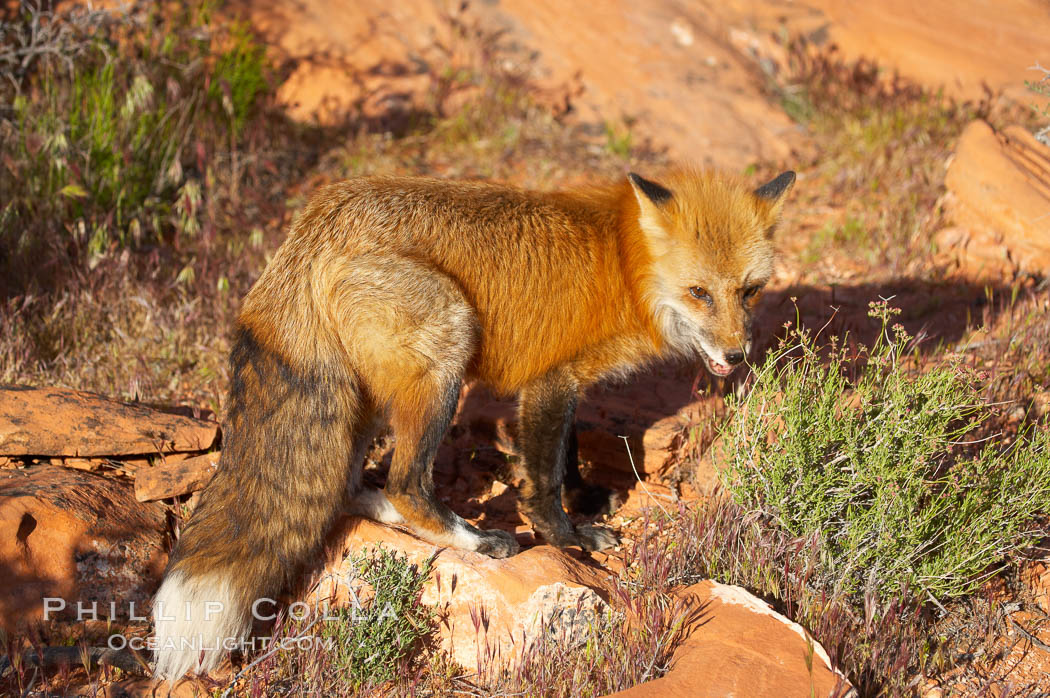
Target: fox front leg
<point>547,410</point>
<point>580,496</point>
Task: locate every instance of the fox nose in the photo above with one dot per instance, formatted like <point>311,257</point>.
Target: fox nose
<point>734,357</point>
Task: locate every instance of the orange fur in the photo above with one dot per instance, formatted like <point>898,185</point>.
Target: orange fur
<point>390,292</point>
<point>552,277</point>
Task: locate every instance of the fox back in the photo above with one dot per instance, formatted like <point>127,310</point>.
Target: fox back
<point>602,274</point>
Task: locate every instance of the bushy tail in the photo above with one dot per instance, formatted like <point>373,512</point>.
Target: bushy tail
<point>289,444</point>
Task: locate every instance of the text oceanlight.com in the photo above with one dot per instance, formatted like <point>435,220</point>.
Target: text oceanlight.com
<point>229,644</point>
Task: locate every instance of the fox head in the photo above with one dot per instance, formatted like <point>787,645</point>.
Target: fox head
<point>710,241</point>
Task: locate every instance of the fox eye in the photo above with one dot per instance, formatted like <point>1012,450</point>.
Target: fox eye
<point>701,295</point>
<point>751,291</point>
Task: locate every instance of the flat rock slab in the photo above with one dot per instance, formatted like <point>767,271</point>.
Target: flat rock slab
<point>175,478</point>
<point>69,423</point>
<point>738,645</point>
<point>999,196</point>
<point>78,537</point>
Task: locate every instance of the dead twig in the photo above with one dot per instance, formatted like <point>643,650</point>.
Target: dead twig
<point>1031,638</point>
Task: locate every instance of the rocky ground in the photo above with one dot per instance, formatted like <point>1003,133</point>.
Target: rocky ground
<point>93,489</point>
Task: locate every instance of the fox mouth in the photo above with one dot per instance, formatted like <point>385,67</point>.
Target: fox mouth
<point>719,369</point>
<point>716,367</point>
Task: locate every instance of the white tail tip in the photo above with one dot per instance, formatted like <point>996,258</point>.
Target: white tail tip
<point>196,621</point>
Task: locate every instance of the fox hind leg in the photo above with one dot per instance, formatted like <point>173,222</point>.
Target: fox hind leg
<point>410,484</point>
<point>409,334</point>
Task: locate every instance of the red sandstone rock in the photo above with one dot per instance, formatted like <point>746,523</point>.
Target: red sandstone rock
<point>515,596</point>
<point>60,422</point>
<point>736,644</point>
<point>999,197</point>
<point>662,65</point>
<point>75,536</point>
<point>175,478</point>
<point>740,646</point>
<point>1036,576</point>
<point>960,46</point>
<point>707,476</point>
<point>366,58</point>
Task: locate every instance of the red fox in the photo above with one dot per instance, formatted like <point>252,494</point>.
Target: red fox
<point>387,295</point>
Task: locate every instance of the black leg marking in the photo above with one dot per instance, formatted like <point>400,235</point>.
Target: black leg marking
<point>580,496</point>
<point>573,479</point>
<point>548,410</point>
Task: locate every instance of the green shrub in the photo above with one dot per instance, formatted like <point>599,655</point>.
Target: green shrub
<point>107,136</point>
<point>877,460</point>
<point>373,642</point>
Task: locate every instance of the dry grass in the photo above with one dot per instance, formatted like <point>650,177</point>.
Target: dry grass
<point>880,145</point>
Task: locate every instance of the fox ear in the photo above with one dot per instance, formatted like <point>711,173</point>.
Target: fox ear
<point>652,192</point>
<point>774,190</point>
<point>651,198</point>
<point>772,195</point>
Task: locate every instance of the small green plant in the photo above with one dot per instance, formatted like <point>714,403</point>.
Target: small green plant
<point>878,461</point>
<point>372,642</point>
<point>239,77</point>
<point>618,139</point>
<point>350,650</point>
<point>850,236</point>
<point>795,101</point>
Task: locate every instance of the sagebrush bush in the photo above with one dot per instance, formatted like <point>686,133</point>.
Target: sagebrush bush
<point>371,645</point>
<point>876,459</point>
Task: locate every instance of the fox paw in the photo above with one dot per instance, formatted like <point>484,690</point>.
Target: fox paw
<point>592,538</point>
<point>497,544</point>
